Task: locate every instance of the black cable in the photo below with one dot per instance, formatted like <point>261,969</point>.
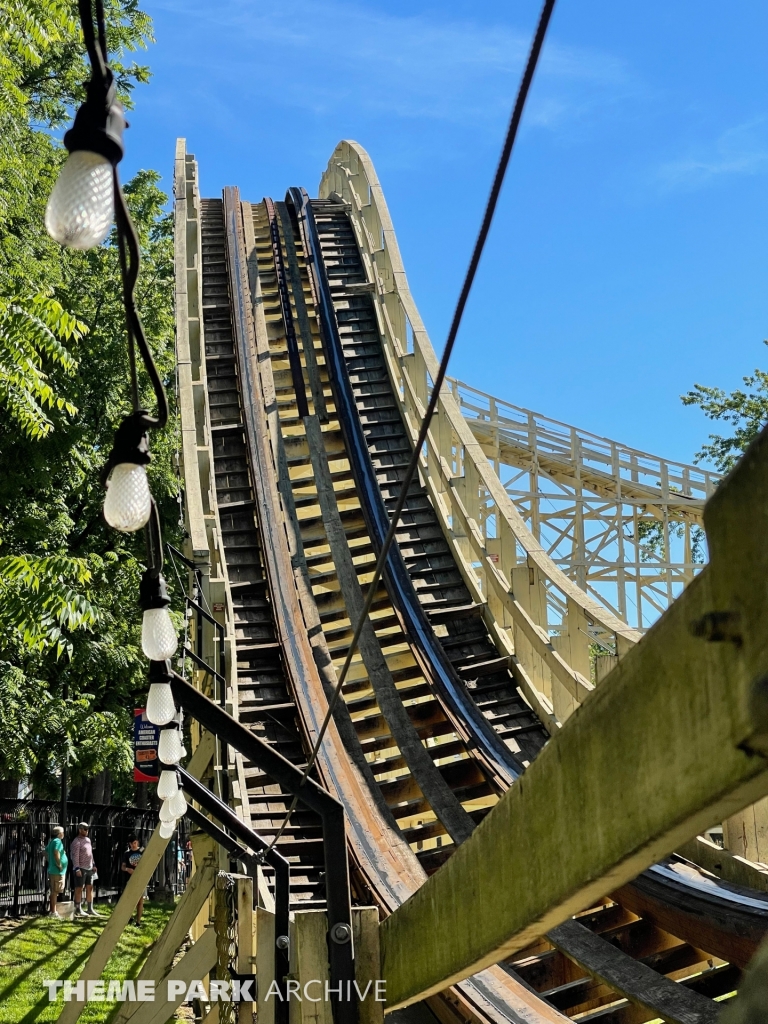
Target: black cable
<point>490,209</point>
<point>97,49</point>
<point>127,236</point>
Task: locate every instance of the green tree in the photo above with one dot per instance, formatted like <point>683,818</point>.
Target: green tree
<point>746,411</point>
<point>71,667</point>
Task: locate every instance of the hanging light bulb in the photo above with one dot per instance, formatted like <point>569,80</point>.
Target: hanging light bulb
<point>81,208</point>
<point>166,814</point>
<point>80,211</point>
<point>167,785</point>
<point>158,637</point>
<point>160,706</point>
<point>177,804</point>
<point>170,749</point>
<point>128,502</point>
<point>167,828</point>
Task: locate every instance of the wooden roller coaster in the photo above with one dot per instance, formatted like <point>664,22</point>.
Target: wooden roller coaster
<point>529,860</point>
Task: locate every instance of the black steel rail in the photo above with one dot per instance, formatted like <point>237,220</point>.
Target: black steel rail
<point>498,760</point>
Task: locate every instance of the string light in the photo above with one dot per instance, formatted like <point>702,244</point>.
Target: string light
<point>160,706</point>
<point>167,785</point>
<point>170,749</point>
<point>81,208</point>
<point>158,637</point>
<point>167,828</point>
<point>128,502</point>
<point>166,814</point>
<point>177,804</point>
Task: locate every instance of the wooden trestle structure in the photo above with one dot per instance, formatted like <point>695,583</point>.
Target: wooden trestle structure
<point>521,826</point>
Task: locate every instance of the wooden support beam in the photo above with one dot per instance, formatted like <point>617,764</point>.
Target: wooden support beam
<point>674,1003</point>
<point>193,966</point>
<point>672,742</point>
<point>160,958</point>
<point>134,888</point>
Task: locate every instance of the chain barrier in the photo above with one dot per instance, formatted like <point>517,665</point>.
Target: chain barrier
<point>226,940</point>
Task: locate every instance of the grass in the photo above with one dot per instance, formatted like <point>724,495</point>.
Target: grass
<point>40,948</point>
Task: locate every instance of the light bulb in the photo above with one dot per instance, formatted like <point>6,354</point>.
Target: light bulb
<point>167,828</point>
<point>158,637</point>
<point>81,208</point>
<point>177,804</point>
<point>167,785</point>
<point>170,749</point>
<point>166,814</point>
<point>128,504</point>
<point>160,706</point>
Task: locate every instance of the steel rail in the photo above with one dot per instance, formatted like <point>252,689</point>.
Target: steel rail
<point>497,759</point>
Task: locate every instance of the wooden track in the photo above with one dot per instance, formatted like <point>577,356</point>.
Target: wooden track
<point>429,640</point>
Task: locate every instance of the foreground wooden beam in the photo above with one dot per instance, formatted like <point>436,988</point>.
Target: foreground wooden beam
<point>671,742</point>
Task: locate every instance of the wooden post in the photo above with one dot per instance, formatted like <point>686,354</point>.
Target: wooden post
<point>365,934</point>
<point>264,927</point>
<point>309,969</point>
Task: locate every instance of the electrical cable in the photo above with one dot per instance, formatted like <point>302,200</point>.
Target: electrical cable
<point>490,209</point>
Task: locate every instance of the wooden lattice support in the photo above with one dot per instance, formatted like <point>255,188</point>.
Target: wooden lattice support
<point>137,883</point>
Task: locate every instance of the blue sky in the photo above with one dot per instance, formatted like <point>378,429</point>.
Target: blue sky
<point>628,257</point>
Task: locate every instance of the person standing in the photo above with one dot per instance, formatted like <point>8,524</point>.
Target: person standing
<point>83,870</point>
<point>57,866</point>
<point>130,862</point>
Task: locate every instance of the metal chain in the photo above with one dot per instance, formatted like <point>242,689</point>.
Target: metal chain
<point>226,940</point>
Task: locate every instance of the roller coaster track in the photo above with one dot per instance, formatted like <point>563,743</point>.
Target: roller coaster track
<point>303,368</point>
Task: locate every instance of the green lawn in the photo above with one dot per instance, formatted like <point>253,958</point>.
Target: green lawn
<point>39,948</point>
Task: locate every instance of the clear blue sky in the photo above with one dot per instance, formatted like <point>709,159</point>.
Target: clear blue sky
<point>628,258</point>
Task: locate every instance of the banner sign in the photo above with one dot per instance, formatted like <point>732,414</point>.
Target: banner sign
<point>146,736</point>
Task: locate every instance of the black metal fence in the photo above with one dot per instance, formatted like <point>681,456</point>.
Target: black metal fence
<point>25,829</point>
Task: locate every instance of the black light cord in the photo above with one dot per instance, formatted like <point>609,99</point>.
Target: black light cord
<point>490,209</point>
<point>97,48</point>
<point>130,262</point>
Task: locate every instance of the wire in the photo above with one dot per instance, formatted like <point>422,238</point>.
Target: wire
<point>130,272</point>
<point>490,209</point>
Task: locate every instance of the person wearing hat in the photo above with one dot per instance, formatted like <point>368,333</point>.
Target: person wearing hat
<point>83,870</point>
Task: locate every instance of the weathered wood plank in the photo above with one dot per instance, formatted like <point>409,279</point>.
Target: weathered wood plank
<point>667,999</point>
<point>160,958</point>
<point>193,966</point>
<point>670,743</point>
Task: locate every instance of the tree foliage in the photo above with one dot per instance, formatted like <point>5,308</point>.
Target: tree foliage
<point>71,667</point>
<point>746,410</point>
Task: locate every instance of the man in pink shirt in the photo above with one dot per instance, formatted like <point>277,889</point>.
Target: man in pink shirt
<point>83,869</point>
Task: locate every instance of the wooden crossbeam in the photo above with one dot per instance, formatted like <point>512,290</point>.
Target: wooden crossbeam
<point>674,1003</point>
<point>193,966</point>
<point>673,741</point>
<point>160,958</point>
